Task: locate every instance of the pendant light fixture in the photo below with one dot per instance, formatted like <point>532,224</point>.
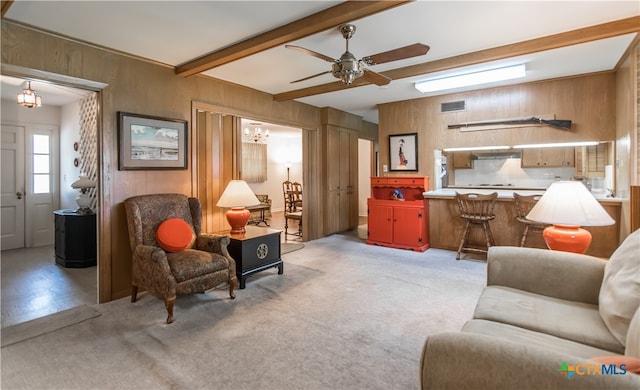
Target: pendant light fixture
<point>29,98</point>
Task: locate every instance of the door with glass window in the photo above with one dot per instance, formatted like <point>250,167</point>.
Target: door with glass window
<point>28,186</point>
<point>39,221</point>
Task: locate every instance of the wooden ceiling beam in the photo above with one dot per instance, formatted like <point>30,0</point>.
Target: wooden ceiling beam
<point>312,24</point>
<point>574,37</point>
<point>5,6</point>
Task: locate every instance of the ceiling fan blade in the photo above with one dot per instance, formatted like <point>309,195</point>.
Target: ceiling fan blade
<point>310,52</point>
<point>417,49</point>
<point>375,78</point>
<point>310,77</point>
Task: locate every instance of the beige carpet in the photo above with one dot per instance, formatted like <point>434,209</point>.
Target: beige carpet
<point>344,315</point>
<point>288,247</point>
<point>24,331</point>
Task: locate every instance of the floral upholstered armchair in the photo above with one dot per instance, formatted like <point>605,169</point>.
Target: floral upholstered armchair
<point>204,263</point>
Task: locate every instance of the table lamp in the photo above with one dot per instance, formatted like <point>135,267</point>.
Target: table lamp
<point>567,205</point>
<point>236,197</point>
<point>83,200</point>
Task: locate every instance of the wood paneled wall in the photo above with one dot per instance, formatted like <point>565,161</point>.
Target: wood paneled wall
<point>634,207</point>
<point>140,86</point>
<point>627,147</point>
<point>588,101</point>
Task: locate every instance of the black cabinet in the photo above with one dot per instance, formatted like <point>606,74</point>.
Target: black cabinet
<point>256,250</point>
<point>75,244</point>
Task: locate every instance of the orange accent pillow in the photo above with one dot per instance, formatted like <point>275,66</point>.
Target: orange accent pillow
<point>631,364</point>
<point>174,235</point>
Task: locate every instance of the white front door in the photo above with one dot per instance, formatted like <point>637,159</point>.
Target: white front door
<point>12,199</point>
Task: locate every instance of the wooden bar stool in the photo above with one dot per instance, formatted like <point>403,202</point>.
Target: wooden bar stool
<point>524,204</point>
<point>477,211</point>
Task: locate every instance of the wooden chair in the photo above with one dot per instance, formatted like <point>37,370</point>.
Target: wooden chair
<point>292,193</point>
<point>524,204</point>
<point>296,195</point>
<point>476,210</point>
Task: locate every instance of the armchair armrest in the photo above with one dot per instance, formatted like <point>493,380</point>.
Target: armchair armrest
<point>459,360</point>
<point>216,243</point>
<point>562,275</point>
<point>151,262</point>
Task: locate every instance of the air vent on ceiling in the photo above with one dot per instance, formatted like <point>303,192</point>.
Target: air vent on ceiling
<point>460,105</point>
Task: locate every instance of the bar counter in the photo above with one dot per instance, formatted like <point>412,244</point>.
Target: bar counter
<point>446,227</point>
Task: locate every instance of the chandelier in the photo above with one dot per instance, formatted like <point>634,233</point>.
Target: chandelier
<point>29,98</point>
<point>257,135</point>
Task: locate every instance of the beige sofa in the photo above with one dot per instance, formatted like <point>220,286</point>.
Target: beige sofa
<point>540,322</point>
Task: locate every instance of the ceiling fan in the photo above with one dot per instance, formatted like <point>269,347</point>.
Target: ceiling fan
<point>348,68</point>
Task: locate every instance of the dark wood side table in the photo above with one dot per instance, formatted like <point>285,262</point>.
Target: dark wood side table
<point>254,251</point>
<point>75,241</point>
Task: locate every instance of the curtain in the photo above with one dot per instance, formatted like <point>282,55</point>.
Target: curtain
<point>254,162</point>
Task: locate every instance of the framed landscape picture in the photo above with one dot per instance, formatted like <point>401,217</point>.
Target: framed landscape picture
<point>148,142</point>
<point>403,152</point>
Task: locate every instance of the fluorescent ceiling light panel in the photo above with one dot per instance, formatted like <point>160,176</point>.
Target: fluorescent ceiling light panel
<point>476,78</point>
<point>476,148</point>
<point>557,145</point>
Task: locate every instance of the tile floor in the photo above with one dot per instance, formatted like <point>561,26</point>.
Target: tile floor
<point>34,286</point>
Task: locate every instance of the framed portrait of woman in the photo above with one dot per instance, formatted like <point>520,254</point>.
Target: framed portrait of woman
<point>403,152</point>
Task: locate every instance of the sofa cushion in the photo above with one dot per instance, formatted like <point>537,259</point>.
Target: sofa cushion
<point>532,338</point>
<point>633,336</point>
<point>620,291</point>
<point>576,321</point>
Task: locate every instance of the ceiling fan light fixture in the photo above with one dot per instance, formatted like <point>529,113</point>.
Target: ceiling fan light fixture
<point>469,79</point>
<point>29,98</point>
<point>347,70</point>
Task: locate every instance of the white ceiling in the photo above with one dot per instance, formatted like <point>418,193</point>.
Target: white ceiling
<point>175,32</point>
<point>51,94</point>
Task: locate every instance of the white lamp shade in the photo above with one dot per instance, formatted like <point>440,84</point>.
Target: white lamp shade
<point>237,194</point>
<point>83,182</point>
<point>569,203</point>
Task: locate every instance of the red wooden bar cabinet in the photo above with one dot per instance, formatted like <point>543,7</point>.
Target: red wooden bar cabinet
<point>398,213</point>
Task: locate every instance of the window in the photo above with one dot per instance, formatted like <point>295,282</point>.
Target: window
<point>41,164</point>
<point>254,162</point>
